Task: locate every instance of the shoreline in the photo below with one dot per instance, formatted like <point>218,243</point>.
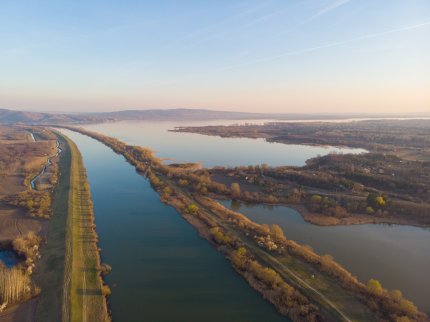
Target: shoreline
<point>329,221</point>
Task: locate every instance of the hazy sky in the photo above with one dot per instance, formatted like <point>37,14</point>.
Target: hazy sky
<point>268,56</point>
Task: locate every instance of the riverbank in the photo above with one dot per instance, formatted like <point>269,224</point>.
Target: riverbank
<point>357,219</point>
<point>326,221</point>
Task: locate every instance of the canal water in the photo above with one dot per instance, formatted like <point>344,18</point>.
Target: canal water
<point>162,269</point>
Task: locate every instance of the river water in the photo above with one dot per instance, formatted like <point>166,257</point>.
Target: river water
<point>162,269</point>
<point>210,150</point>
<point>398,256</point>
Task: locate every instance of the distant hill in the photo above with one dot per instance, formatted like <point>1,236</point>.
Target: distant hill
<point>11,116</point>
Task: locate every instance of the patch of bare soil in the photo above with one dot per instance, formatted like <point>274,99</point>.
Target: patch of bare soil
<point>20,313</point>
<point>227,180</point>
<point>14,222</point>
<point>11,185</point>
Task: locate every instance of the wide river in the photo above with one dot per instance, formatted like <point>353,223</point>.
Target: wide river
<point>160,254</point>
<point>162,269</point>
<point>210,150</point>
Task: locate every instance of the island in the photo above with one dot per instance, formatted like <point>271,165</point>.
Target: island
<point>387,184</point>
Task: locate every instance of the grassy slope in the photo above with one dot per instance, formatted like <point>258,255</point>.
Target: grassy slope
<point>82,276</point>
<point>70,277</point>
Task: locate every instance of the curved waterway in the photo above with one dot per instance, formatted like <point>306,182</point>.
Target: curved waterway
<point>162,269</point>
<point>398,256</point>
<point>48,163</point>
<point>211,150</point>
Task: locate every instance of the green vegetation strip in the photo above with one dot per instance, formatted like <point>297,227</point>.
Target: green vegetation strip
<point>83,298</point>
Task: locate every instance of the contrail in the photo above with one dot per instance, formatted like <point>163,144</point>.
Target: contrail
<point>325,10</point>
<point>334,44</point>
<point>306,50</point>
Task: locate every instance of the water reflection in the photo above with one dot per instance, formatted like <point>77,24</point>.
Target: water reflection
<point>162,269</point>
<point>8,257</point>
<point>398,256</point>
<point>210,150</point>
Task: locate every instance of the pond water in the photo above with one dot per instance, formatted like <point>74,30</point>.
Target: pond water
<point>8,257</point>
<point>210,150</point>
<point>162,269</point>
<point>398,256</point>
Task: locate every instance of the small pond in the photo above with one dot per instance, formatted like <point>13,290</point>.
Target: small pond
<point>8,257</point>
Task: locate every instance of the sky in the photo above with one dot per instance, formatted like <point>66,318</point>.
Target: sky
<point>289,56</point>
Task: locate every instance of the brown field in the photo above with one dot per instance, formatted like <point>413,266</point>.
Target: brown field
<point>14,222</point>
<point>13,135</point>
<point>21,159</point>
<point>20,313</point>
<point>11,184</point>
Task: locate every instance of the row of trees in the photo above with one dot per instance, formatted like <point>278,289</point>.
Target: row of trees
<point>390,305</point>
<point>15,282</point>
<point>15,286</point>
<point>286,298</point>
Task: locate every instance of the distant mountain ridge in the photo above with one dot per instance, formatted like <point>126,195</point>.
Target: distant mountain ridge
<point>22,117</point>
<point>181,114</point>
<point>11,116</point>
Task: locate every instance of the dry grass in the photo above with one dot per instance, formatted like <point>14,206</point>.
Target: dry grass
<point>20,158</point>
<point>85,300</point>
<point>23,312</point>
<point>11,184</point>
<point>14,223</point>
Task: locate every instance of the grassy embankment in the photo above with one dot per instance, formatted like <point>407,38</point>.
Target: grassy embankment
<point>70,277</point>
